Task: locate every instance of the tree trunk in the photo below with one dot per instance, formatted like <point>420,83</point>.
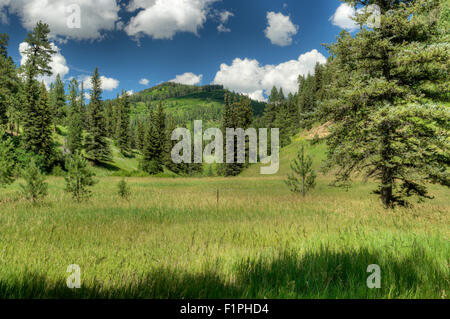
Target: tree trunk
<point>303,186</point>
<point>386,188</point>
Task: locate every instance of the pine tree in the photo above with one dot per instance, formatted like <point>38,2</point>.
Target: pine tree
<point>75,130</point>
<point>38,119</point>
<point>123,122</point>
<point>384,125</point>
<point>109,119</point>
<point>303,177</point>
<point>35,187</point>
<point>9,82</point>
<point>140,134</point>
<point>96,145</point>
<point>59,103</point>
<point>79,177</point>
<point>151,159</point>
<point>38,137</point>
<point>83,110</point>
<point>168,146</point>
<point>161,126</point>
<point>239,114</point>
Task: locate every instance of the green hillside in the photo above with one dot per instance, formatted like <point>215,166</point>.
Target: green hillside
<point>186,103</point>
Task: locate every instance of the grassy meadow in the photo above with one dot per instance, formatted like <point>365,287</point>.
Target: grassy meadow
<point>175,238</point>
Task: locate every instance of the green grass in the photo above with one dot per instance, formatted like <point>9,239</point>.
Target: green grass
<point>172,239</point>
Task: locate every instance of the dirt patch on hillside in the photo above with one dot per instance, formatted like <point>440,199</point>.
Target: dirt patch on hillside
<point>321,131</point>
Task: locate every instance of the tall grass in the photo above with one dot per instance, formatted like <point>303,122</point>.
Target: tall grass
<point>173,240</point>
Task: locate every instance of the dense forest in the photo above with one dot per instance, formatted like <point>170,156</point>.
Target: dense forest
<point>384,91</point>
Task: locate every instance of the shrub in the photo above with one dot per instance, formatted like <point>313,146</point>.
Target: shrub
<point>35,187</point>
<point>124,190</point>
<point>303,177</point>
<point>78,178</point>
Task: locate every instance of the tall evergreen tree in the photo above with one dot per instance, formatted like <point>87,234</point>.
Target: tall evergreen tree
<point>123,123</point>
<point>96,145</point>
<point>140,134</point>
<point>384,127</point>
<point>37,121</point>
<point>59,102</point>
<point>238,114</point>
<point>9,82</point>
<point>109,119</point>
<point>83,110</point>
<point>151,155</point>
<point>160,118</point>
<point>75,130</point>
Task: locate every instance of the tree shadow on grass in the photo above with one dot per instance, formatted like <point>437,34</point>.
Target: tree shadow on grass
<point>108,166</point>
<point>322,274</point>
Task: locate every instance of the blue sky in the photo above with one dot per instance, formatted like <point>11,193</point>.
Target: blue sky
<point>248,46</point>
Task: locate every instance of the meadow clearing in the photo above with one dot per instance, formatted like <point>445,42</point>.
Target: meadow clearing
<point>174,239</point>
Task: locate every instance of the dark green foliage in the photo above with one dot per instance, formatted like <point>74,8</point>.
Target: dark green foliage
<point>96,144</point>
<point>7,160</point>
<point>58,101</point>
<point>75,123</point>
<point>384,127</point>
<point>303,177</point>
<point>123,123</point>
<point>140,134</point>
<point>35,187</point>
<point>123,190</point>
<point>152,151</point>
<point>37,128</point>
<point>37,132</point>
<point>237,114</point>
<point>110,120</point>
<point>83,108</point>
<point>79,177</point>
<point>9,82</point>
<point>210,171</point>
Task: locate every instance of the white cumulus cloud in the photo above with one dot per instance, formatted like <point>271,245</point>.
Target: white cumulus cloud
<point>108,84</point>
<point>95,16</point>
<point>224,16</point>
<point>58,63</point>
<point>144,81</point>
<point>280,29</point>
<point>162,19</point>
<point>188,78</point>
<point>343,17</point>
<point>249,77</point>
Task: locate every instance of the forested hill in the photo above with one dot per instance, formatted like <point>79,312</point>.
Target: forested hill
<point>186,103</point>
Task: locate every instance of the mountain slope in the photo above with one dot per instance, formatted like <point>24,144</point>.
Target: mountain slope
<point>186,103</point>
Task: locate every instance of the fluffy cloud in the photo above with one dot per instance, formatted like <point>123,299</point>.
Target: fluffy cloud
<point>58,63</point>
<point>280,29</point>
<point>223,17</point>
<point>188,78</point>
<point>108,84</point>
<point>96,16</point>
<point>249,77</point>
<point>162,19</point>
<point>343,17</point>
<point>144,81</point>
